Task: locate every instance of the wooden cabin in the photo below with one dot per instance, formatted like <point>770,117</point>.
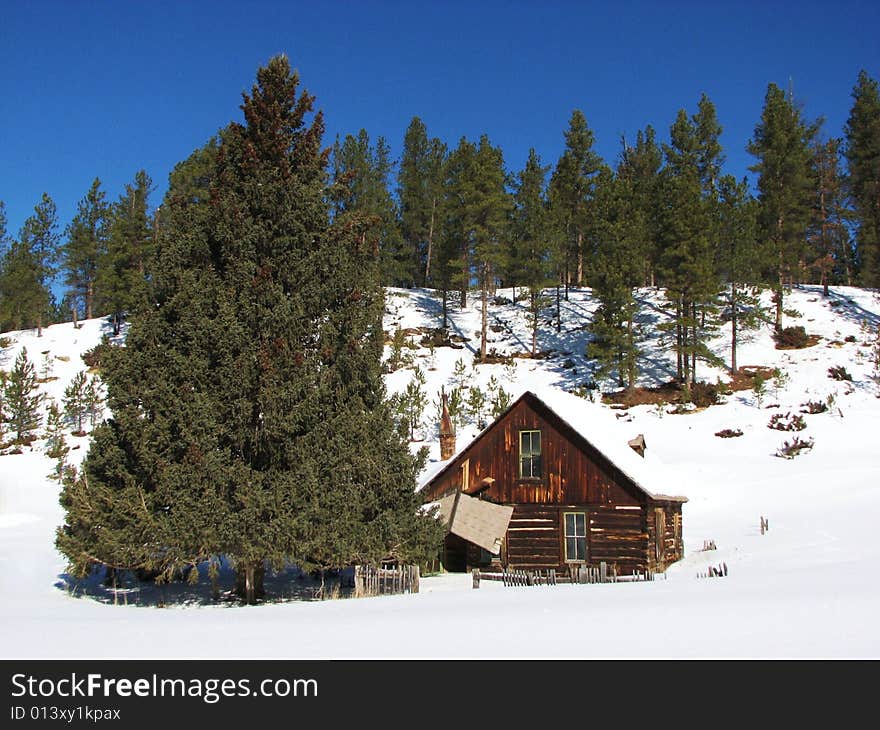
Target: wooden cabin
<point>578,488</point>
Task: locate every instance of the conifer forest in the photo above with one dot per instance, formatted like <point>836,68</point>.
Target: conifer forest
<point>247,420</point>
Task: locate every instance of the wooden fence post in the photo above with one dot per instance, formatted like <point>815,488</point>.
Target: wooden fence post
<point>476,574</point>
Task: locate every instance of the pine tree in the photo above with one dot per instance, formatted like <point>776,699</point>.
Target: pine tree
<point>21,296</point>
<point>412,403</point>
<point>532,239</point>
<point>22,399</point>
<point>123,266</point>
<point>361,172</point>
<point>828,233</point>
<point>617,271</point>
<point>455,258</point>
<point>74,402</point>
<point>739,258</point>
<point>862,152</point>
<point>781,143</point>
<point>86,243</point>
<point>488,212</point>
<point>93,400</point>
<point>28,270</point>
<point>688,229</point>
<point>249,418</point>
<point>420,192</point>
<point>56,445</point>
<point>571,189</point>
<point>640,168</point>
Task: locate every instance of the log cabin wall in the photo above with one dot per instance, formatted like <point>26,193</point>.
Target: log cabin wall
<point>575,477</point>
<point>571,474</point>
<point>665,536</point>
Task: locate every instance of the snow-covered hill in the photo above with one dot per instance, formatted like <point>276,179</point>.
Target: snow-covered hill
<point>805,588</point>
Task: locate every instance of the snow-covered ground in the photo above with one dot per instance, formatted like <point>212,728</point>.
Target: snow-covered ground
<point>806,588</point>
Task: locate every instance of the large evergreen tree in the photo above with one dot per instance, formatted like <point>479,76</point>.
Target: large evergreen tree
<point>828,232</point>
<point>571,190</point>
<point>863,156</point>
<point>688,231</point>
<point>28,269</point>
<point>739,259</point>
<point>123,267</point>
<point>532,239</point>
<point>617,271</point>
<point>248,415</point>
<point>361,173</point>
<point>86,243</point>
<point>489,220</point>
<point>640,167</point>
<point>420,192</point>
<point>781,144</point>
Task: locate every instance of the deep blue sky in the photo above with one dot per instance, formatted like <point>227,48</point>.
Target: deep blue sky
<point>104,88</point>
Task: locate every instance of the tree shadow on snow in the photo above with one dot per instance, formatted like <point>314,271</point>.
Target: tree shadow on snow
<point>290,584</point>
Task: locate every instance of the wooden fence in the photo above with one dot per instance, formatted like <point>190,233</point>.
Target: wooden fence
<point>370,581</point>
<point>602,573</point>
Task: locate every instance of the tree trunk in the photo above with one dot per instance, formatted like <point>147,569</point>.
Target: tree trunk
<point>733,313</point>
<point>534,305</point>
<point>484,316</point>
<point>580,259</point>
<point>73,312</point>
<point>780,291</point>
<point>89,298</point>
<point>249,582</point>
<point>679,366</point>
<point>558,309</point>
<point>630,358</point>
<point>445,311</point>
<point>430,243</point>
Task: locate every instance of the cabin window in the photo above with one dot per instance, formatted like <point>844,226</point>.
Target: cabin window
<point>575,537</point>
<point>530,454</point>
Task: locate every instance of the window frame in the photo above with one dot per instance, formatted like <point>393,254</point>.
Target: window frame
<point>532,456</point>
<point>566,536</point>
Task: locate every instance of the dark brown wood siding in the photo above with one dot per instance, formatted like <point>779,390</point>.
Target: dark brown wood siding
<point>569,474</point>
<point>575,477</point>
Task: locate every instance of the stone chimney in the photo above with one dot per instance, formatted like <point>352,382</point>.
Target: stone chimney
<point>447,431</point>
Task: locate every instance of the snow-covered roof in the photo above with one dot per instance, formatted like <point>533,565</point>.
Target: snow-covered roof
<point>600,427</point>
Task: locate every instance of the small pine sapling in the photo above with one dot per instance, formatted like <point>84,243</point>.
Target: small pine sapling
<point>759,388</point>
<point>780,381</point>
<point>22,399</point>
<point>74,403</point>
<point>500,398</point>
<point>396,358</point>
<point>94,401</point>
<point>46,367</point>
<point>460,375</point>
<point>56,445</point>
<point>414,402</point>
<point>455,406</point>
<point>476,406</point>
